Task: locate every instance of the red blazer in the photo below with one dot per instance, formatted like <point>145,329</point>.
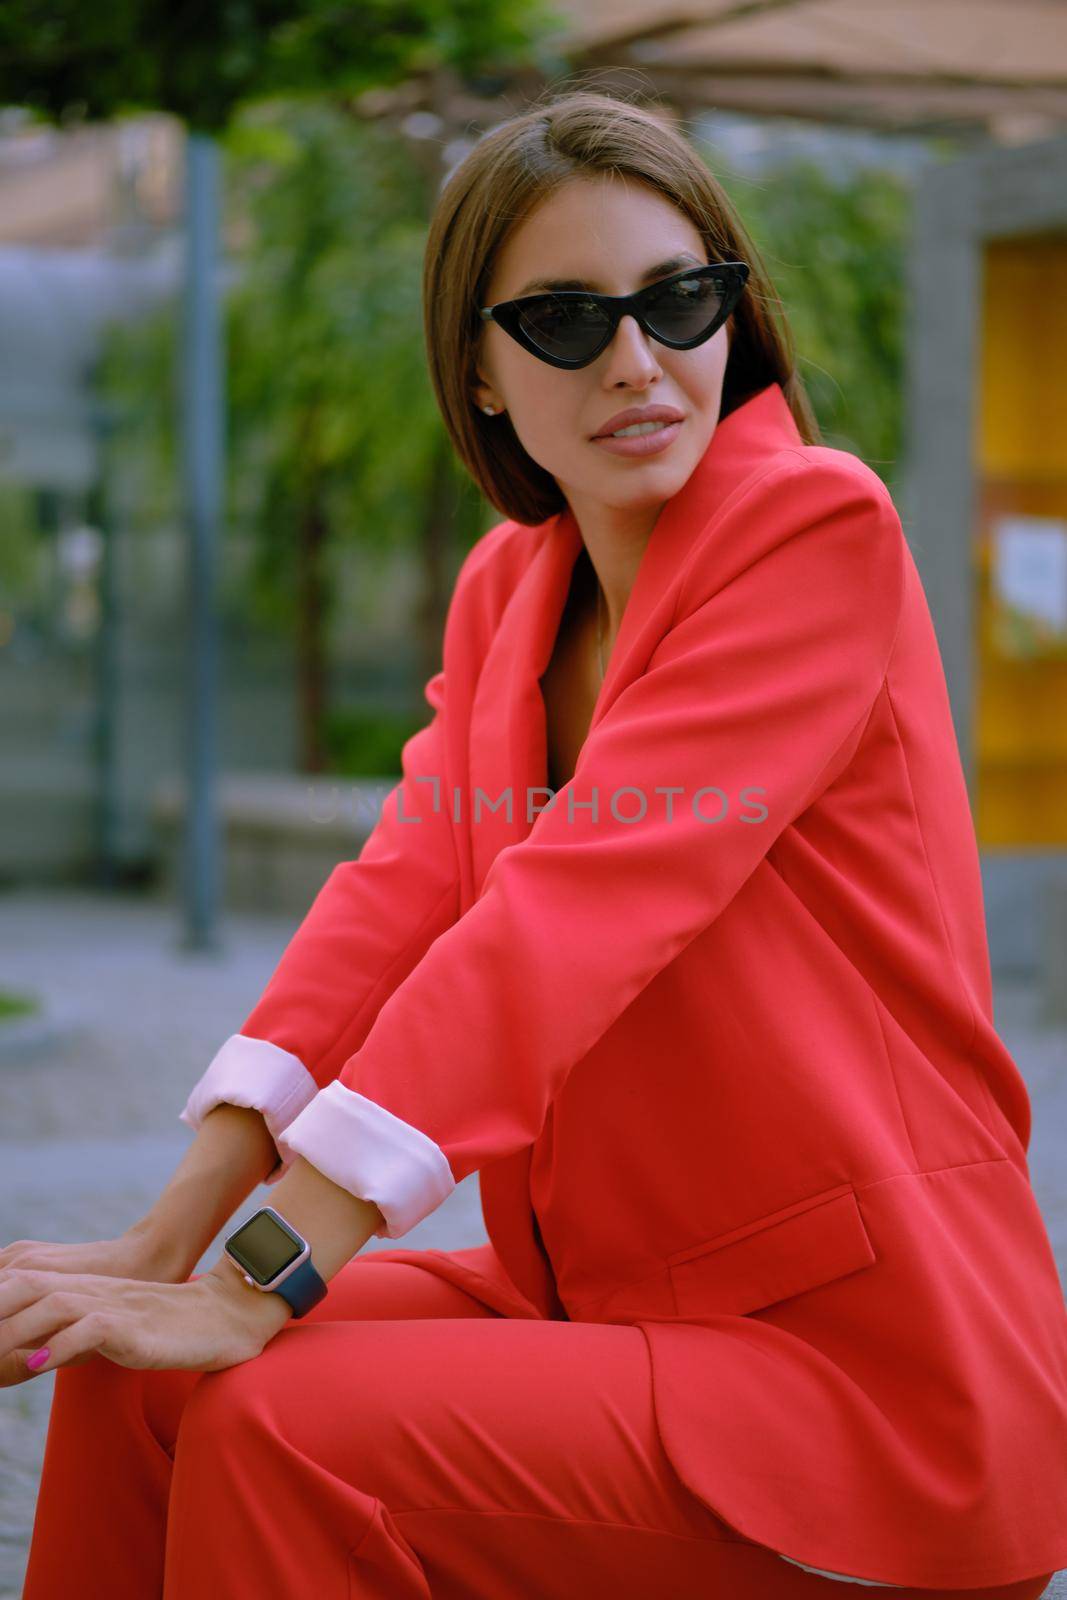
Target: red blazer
<point>721,1049</point>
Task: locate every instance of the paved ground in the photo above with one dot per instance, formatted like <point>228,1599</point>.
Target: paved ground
<point>89,1105</point>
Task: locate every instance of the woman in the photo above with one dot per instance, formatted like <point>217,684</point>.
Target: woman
<point>672,931</point>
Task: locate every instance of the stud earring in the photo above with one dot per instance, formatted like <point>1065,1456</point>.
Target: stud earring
<point>490,411</point>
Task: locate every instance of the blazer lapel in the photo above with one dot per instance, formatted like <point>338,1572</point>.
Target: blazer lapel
<point>508,735</point>
<point>757,429</point>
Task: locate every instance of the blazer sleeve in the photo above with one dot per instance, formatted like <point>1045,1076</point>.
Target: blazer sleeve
<point>752,704</point>
<point>371,921</point>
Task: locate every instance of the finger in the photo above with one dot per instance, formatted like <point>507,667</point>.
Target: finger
<point>22,1289</point>
<point>16,1250</point>
<point>33,1326</point>
<point>19,1285</point>
<point>91,1334</point>
<point>50,1255</point>
<point>40,1257</point>
<point>20,1249</point>
<point>13,1369</point>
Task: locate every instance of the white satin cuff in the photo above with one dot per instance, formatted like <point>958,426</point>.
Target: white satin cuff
<point>363,1148</point>
<point>260,1075</point>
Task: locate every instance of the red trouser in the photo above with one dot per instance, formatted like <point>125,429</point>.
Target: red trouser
<point>402,1440</point>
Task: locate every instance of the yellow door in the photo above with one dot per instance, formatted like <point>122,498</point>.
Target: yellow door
<point>1021,547</point>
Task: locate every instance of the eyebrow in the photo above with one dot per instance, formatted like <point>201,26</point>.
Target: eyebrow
<point>662,270</point>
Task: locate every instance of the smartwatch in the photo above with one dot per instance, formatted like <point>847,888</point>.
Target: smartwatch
<point>271,1255</point>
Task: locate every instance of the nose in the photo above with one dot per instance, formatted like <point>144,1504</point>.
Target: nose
<point>631,349</point>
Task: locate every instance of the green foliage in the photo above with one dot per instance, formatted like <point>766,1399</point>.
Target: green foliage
<point>366,744</point>
<point>328,387</point>
<point>17,1005</point>
<point>328,390</point>
<point>330,409</point>
<point>331,402</point>
<point>68,59</point>
<point>836,252</point>
<point>137,381</point>
<point>19,541</point>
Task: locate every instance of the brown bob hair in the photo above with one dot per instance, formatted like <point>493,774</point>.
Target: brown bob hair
<point>513,167</point>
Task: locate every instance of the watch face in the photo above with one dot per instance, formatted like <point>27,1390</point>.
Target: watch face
<point>263,1246</point>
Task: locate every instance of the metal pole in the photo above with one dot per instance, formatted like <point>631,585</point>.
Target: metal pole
<point>202,426</point>
<point>108,677</point>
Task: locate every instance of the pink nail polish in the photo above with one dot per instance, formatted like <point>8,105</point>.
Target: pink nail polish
<point>38,1358</point>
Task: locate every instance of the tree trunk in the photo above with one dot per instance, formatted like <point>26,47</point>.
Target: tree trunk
<point>435,548</point>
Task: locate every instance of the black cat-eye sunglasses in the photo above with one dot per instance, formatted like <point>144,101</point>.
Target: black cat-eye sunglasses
<point>570,327</point>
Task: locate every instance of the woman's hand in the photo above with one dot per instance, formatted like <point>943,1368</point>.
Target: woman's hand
<point>211,1322</point>
<point>133,1255</point>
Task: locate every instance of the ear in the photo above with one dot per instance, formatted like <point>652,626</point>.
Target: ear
<point>484,395</point>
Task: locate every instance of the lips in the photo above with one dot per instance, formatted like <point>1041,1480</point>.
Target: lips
<point>626,419</point>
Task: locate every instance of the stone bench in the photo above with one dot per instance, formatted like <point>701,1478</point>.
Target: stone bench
<point>282,834</point>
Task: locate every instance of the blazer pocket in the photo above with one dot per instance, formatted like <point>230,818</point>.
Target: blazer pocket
<point>794,1249</point>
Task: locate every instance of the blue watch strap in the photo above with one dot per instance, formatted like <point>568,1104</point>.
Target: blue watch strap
<point>303,1288</point>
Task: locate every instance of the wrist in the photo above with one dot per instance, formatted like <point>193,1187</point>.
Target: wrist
<point>263,1308</point>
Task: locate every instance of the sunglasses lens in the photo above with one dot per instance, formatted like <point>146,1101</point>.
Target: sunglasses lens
<point>686,308</point>
<point>570,329</point>
<point>574,328</point>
